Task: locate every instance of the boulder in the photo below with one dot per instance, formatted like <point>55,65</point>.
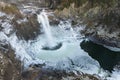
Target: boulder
<point>27,28</point>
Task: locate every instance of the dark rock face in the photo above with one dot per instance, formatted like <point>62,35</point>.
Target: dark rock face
<point>28,29</point>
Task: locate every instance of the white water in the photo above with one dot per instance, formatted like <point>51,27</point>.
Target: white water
<point>43,19</point>
<point>69,57</point>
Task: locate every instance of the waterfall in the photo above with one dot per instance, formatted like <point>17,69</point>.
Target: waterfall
<point>43,19</point>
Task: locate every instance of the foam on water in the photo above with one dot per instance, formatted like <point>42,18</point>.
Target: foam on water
<point>43,19</point>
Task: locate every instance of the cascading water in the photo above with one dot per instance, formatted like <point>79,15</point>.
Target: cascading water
<point>43,19</point>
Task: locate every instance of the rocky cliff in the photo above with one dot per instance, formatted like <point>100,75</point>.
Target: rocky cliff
<point>102,19</point>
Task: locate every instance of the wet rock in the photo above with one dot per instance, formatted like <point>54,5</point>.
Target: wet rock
<point>28,29</point>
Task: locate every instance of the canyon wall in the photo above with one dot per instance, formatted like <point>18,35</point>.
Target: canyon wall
<point>102,19</point>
